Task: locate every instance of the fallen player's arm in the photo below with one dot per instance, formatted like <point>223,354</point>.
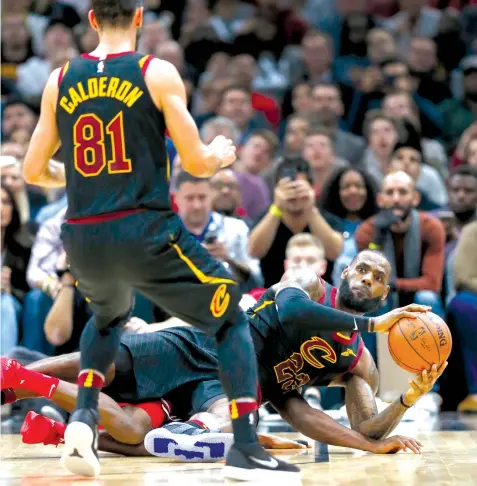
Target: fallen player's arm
<point>316,425</point>
<point>361,388</point>
<point>38,168</point>
<point>169,94</point>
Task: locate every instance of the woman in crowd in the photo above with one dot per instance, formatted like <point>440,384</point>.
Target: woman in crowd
<point>349,197</point>
<point>15,247</point>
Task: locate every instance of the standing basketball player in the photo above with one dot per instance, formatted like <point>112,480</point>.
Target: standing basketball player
<point>109,110</point>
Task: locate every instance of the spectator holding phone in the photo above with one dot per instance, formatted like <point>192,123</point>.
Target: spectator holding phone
<point>293,211</point>
<point>223,236</point>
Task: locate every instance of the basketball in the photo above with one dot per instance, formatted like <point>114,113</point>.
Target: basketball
<point>416,344</point>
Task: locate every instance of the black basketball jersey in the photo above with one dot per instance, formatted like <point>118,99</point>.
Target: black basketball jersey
<point>112,136</point>
<point>290,358</point>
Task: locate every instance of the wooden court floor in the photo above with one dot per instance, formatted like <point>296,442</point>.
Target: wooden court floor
<point>449,458</point>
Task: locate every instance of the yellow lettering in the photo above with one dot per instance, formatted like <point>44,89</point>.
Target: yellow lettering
<point>133,96</point>
<point>113,86</point>
<point>102,86</point>
<point>123,90</point>
<point>75,97</point>
<point>93,87</point>
<point>67,106</point>
<point>82,93</point>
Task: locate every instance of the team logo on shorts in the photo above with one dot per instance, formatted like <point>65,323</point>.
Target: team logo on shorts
<point>220,301</point>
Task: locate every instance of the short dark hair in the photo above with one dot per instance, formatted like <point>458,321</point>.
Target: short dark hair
<point>236,87</point>
<point>268,136</point>
<point>463,170</point>
<point>373,115</point>
<point>184,177</point>
<point>317,129</point>
<point>115,13</point>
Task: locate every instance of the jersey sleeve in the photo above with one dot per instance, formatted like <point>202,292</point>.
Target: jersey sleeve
<point>296,309</point>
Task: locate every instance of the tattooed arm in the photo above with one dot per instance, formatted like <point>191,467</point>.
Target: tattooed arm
<point>361,406</point>
<point>363,414</point>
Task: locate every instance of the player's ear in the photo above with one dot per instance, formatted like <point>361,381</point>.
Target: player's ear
<point>345,272</point>
<point>286,265</point>
<point>385,293</point>
<point>92,20</point>
<point>138,17</point>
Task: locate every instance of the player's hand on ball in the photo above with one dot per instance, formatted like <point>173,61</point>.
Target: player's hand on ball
<point>392,445</point>
<point>423,383</point>
<point>386,321</point>
<point>224,149</point>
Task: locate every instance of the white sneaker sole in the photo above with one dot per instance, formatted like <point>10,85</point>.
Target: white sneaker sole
<point>207,447</point>
<point>78,457</point>
<point>263,476</point>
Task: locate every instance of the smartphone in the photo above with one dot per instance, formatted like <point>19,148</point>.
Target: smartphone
<point>210,238</point>
<point>288,171</point>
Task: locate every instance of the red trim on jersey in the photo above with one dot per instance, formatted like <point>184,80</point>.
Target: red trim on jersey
<point>259,394</point>
<point>109,56</point>
<point>360,352</point>
<point>146,65</point>
<point>342,339</point>
<point>60,76</point>
<point>100,218</point>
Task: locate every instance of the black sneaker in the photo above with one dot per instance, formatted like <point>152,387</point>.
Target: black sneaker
<point>253,463</point>
<point>80,453</point>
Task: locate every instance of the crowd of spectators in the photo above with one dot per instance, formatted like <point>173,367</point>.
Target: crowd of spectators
<point>341,110</point>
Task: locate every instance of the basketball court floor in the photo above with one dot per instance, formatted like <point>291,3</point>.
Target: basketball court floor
<point>449,458</point>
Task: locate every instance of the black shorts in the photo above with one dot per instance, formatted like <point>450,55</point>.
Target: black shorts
<point>178,364</point>
<point>153,253</point>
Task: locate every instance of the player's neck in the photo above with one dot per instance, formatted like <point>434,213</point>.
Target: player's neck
<point>115,42</point>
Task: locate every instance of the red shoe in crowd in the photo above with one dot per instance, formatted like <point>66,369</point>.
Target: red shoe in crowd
<point>37,429</point>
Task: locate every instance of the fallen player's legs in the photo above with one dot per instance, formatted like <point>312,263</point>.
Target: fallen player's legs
<point>128,425</point>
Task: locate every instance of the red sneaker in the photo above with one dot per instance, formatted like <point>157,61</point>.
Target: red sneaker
<point>9,377</point>
<point>37,429</point>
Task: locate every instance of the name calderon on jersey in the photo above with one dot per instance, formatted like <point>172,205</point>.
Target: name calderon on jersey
<point>103,87</point>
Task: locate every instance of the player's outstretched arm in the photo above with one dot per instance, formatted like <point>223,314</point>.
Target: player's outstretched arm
<point>316,425</point>
<point>168,92</point>
<point>296,308</point>
<point>45,141</point>
<point>361,405</point>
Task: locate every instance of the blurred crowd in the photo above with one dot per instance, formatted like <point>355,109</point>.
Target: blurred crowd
<point>355,121</point>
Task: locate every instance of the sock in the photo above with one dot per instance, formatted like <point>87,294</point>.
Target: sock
<point>8,396</point>
<point>39,383</point>
<point>197,423</point>
<point>98,349</point>
<point>238,375</point>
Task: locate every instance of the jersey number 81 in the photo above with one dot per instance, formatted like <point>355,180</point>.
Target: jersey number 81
<point>89,136</point>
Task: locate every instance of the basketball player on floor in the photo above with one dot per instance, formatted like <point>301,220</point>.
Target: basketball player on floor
<point>194,359</point>
<point>109,110</point>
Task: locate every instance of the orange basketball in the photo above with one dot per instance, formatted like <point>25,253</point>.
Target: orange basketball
<point>416,344</point>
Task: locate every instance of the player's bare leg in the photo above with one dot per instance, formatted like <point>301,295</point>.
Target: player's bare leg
<point>128,425</point>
